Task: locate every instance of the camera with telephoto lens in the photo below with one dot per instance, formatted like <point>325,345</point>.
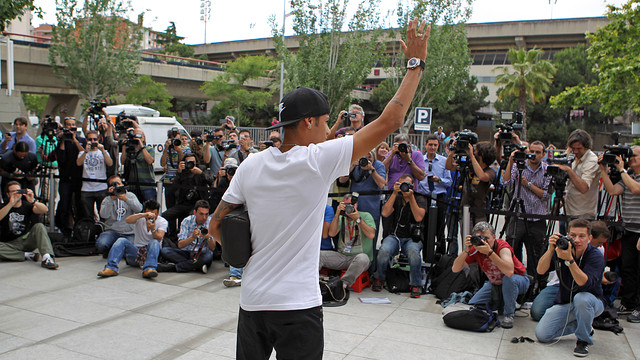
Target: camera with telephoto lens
<point>405,187</point>
<point>477,240</point>
<point>118,190</point>
<point>363,162</point>
<point>231,170</point>
<point>463,139</point>
<point>189,164</point>
<point>67,133</point>
<point>203,230</point>
<point>176,142</point>
<point>96,106</point>
<point>403,148</point>
<point>348,115</point>
<point>563,242</point>
<point>49,126</point>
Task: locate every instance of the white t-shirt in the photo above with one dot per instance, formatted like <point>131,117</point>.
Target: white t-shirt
<point>286,194</point>
<point>142,236</point>
<point>94,168</point>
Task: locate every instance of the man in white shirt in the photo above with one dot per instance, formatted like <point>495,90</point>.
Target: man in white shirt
<point>94,161</point>
<point>280,303</point>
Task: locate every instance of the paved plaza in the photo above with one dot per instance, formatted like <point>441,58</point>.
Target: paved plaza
<point>72,314</point>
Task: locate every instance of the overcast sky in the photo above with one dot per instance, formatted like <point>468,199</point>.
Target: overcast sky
<point>248,19</point>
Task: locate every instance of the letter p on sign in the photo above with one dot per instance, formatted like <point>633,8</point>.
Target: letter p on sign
<point>422,120</point>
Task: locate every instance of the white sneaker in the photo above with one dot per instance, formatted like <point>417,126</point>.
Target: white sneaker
<point>204,269</point>
<point>232,281</point>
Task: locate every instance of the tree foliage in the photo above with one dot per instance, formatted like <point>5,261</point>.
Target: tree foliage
<point>460,112</point>
<point>11,9</point>
<point>448,59</point>
<point>93,47</point>
<point>35,103</point>
<point>528,77</point>
<point>329,59</point>
<point>152,94</point>
<point>614,51</point>
<point>228,88</point>
<point>171,42</point>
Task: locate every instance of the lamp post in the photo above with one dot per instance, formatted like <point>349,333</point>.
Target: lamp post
<point>284,19</point>
<point>205,15</point>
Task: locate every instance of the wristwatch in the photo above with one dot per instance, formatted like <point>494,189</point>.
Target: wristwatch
<point>529,184</point>
<point>415,62</point>
<point>623,171</point>
<point>409,162</point>
<point>358,221</point>
<point>569,262</point>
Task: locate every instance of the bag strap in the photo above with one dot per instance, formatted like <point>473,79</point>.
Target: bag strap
<point>344,292</point>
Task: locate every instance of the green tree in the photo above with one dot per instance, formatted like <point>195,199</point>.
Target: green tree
<point>448,59</point>
<point>460,111</point>
<point>527,77</point>
<point>93,47</point>
<point>329,59</point>
<point>228,88</point>
<point>35,103</point>
<point>150,93</point>
<point>11,9</point>
<point>169,36</point>
<point>614,51</point>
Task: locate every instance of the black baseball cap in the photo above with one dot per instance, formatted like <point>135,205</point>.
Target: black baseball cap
<point>301,103</point>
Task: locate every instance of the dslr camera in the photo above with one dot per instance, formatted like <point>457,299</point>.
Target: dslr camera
<point>189,164</point>
<point>203,230</point>
<point>227,145</point>
<point>403,148</point>
<point>563,242</point>
<point>477,240</point>
<point>118,190</point>
<point>363,162</point>
<point>67,133</point>
<point>405,187</point>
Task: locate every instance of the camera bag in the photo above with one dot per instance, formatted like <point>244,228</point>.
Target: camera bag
<point>236,237</point>
<point>333,292</point>
<point>478,318</point>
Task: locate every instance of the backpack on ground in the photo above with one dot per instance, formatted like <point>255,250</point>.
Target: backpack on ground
<point>397,280</point>
<point>449,282</point>
<point>333,291</point>
<point>478,318</point>
<point>83,239</point>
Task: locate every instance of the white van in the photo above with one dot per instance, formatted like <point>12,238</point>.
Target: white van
<point>130,109</point>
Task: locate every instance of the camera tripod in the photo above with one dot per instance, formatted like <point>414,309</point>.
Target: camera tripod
<point>517,207</point>
<point>454,200</point>
<point>559,185</point>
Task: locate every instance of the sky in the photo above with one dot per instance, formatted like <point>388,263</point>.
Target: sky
<point>248,19</point>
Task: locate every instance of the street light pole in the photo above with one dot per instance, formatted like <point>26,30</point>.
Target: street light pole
<point>205,15</point>
<point>284,19</point>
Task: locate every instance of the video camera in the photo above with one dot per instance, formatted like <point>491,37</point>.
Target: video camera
<point>521,156</point>
<point>610,156</point>
<point>211,137</point>
<point>96,106</point>
<point>49,126</point>
<point>124,122</point>
<point>463,139</point>
<point>561,159</point>
<point>67,133</point>
<point>348,115</point>
<point>227,145</point>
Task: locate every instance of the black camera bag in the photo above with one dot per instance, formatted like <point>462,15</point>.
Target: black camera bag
<point>236,237</point>
<point>478,318</point>
<point>333,292</point>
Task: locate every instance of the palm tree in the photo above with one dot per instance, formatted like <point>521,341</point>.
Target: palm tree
<point>527,77</point>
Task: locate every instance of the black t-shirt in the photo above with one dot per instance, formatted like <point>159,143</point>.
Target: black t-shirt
<point>28,164</point>
<point>403,217</point>
<point>69,171</point>
<point>17,222</point>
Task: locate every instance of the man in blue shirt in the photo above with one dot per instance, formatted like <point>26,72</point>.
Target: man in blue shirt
<point>20,125</point>
<point>579,268</point>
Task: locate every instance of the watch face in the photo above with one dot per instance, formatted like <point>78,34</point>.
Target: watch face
<point>413,62</point>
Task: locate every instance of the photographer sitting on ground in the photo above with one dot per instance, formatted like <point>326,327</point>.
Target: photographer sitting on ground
<point>140,177</point>
<point>406,212</point>
<point>145,248</point>
<point>497,260</point>
<point>115,208</point>
<point>355,242</point>
<point>579,267</point>
<point>195,244</point>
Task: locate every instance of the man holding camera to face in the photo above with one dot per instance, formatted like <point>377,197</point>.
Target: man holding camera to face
<point>18,165</point>
<point>138,158</point>
<point>629,188</point>
<point>216,150</point>
<point>246,147</point>
<point>94,161</point>
<point>402,160</point>
<point>195,244</point>
<point>579,267</point>
<point>172,152</point>
<point>355,243</point>
<point>106,134</point>
<point>355,115</point>
<point>496,259</point>
<point>116,207</point>
<point>406,210</point>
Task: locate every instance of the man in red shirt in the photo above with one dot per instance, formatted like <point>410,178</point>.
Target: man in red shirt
<point>497,260</point>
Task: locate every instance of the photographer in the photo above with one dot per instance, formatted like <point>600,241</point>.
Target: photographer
<point>172,154</point>
<point>137,158</point>
<point>20,235</point>
<point>17,165</point>
<point>70,185</point>
<point>356,230</point>
<point>222,181</point>
<point>106,133</point>
<point>217,151</point>
<point>246,147</point>
<point>535,198</point>
<point>582,190</point>
<point>200,147</point>
<point>479,179</point>
<point>192,184</point>
<point>402,160</point>
<point>406,210</point>
<point>629,188</point>
<point>143,251</point>
<point>579,267</point>
<point>94,161</point>
<point>47,142</point>
<point>195,244</point>
<point>496,259</point>
<point>20,126</point>
<point>356,119</point>
<point>115,208</point>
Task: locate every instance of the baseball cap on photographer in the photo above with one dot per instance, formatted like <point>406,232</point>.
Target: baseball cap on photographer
<point>301,103</point>
<point>230,163</point>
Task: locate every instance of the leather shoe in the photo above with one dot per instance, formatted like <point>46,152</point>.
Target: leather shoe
<point>149,273</point>
<point>107,273</point>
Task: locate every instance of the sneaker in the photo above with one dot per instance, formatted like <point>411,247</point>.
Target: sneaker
<point>49,264</point>
<point>166,267</point>
<point>507,322</point>
<point>149,273</point>
<point>204,269</point>
<point>415,292</point>
<point>377,285</point>
<point>232,281</point>
<point>581,349</point>
<point>634,317</point>
<point>107,273</point>
<point>33,256</point>
<point>623,310</point>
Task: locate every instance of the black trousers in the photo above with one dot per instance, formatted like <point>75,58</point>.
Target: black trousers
<point>630,257</point>
<point>295,334</point>
<point>531,235</point>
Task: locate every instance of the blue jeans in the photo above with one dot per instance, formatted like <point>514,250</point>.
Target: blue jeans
<point>235,272</point>
<point>511,288</point>
<point>184,262</point>
<point>148,193</point>
<point>560,319</point>
<point>390,247</point>
<point>123,248</point>
<point>107,238</point>
<point>543,301</point>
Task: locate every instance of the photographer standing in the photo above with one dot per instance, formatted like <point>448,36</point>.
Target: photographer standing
<point>535,198</point>
<point>402,160</point>
<point>172,154</point>
<point>140,177</point>
<point>217,152</point>
<point>579,267</point>
<point>20,125</point>
<point>629,188</point>
<point>407,212</point>
<point>356,119</point>
<point>582,190</point>
<point>246,147</point>
<point>94,160</point>
<point>106,134</point>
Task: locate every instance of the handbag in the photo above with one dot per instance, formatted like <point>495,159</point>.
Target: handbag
<point>333,291</point>
<point>236,237</point>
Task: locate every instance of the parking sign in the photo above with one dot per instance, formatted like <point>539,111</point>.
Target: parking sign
<point>422,120</point>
